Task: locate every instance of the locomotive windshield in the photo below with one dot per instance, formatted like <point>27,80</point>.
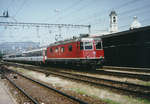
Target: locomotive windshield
<point>81,45</point>
<point>98,44</point>
<point>87,45</point>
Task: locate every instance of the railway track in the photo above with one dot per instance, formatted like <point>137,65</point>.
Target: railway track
<point>135,89</point>
<point>100,72</point>
<point>71,99</point>
<point>129,88</point>
<point>124,74</point>
<point>32,100</point>
<point>131,69</point>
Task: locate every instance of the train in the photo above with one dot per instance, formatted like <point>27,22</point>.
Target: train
<point>82,51</point>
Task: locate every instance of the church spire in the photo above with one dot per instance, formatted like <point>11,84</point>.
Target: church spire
<point>113,22</point>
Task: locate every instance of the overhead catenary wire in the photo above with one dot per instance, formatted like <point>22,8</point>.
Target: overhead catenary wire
<point>132,12</point>
<point>79,10</point>
<point>20,8</point>
<point>90,17</point>
<point>65,9</point>
<point>138,9</point>
<point>69,11</point>
<point>10,4</point>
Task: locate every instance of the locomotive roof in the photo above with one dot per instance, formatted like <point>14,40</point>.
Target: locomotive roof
<point>71,40</point>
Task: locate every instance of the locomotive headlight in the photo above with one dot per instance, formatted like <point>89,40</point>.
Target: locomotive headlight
<point>101,57</point>
<point>94,52</point>
<point>87,57</point>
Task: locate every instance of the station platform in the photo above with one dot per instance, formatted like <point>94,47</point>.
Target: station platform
<point>5,97</point>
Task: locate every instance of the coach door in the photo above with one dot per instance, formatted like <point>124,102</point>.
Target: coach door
<point>44,55</point>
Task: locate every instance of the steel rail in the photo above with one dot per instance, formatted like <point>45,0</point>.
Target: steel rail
<point>100,84</point>
<point>103,72</point>
<point>101,79</point>
<point>20,89</point>
<point>44,85</point>
<point>127,69</point>
<point>110,86</point>
<point>123,74</point>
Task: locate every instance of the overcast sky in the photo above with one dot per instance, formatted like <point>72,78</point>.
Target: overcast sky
<point>94,12</point>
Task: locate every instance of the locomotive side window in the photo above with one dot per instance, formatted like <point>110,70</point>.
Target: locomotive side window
<point>70,48</point>
<point>19,55</point>
<point>88,45</point>
<point>40,53</point>
<point>62,49</point>
<point>98,44</point>
<point>81,45</point>
<point>51,50</point>
<point>56,50</point>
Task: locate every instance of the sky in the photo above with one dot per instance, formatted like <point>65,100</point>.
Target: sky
<point>83,12</point>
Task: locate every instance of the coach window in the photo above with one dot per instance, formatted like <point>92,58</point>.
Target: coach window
<point>40,53</point>
<point>70,48</point>
<point>88,45</point>
<point>62,49</point>
<point>51,50</point>
<point>98,44</point>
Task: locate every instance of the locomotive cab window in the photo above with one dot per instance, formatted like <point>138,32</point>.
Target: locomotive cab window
<point>88,45</point>
<point>81,45</point>
<point>70,48</point>
<point>98,44</point>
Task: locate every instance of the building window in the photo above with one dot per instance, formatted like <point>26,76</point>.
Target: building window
<point>114,19</point>
<point>70,48</point>
<point>62,49</point>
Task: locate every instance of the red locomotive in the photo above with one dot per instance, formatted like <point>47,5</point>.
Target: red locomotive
<point>82,51</point>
